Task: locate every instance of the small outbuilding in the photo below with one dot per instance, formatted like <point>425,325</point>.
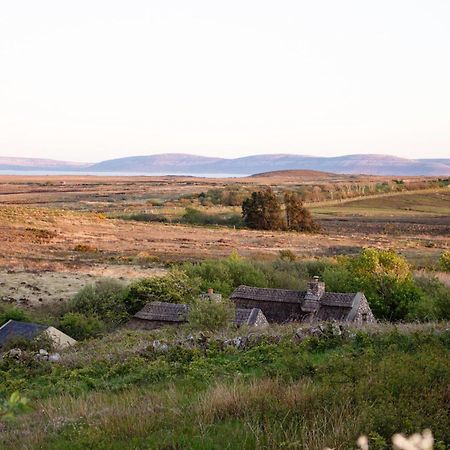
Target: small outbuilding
<point>284,305</point>
<point>158,314</point>
<point>14,329</point>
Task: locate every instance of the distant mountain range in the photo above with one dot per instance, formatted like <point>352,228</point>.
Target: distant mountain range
<point>12,163</point>
<point>176,164</point>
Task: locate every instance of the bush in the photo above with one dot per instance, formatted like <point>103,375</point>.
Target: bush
<point>436,304</point>
<point>386,280</point>
<point>43,340</point>
<point>226,274</point>
<point>210,315</point>
<point>176,287</point>
<point>80,327</point>
<point>104,299</point>
<point>194,216</point>
<point>144,217</point>
<point>13,314</point>
<point>444,261</point>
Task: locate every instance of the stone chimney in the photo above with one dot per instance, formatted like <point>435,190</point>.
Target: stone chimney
<point>315,291</point>
<point>211,295</point>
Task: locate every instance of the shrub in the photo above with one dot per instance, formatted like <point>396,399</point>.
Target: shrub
<point>14,405</point>
<point>386,280</point>
<point>194,216</point>
<point>226,274</point>
<point>104,299</point>
<point>176,287</point>
<point>42,340</point>
<point>436,304</point>
<point>80,327</point>
<point>85,248</point>
<point>210,315</point>
<point>13,314</point>
<point>444,261</point>
<point>144,217</point>
<point>287,254</point>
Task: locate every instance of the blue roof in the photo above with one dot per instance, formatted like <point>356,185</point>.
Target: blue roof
<point>14,329</point>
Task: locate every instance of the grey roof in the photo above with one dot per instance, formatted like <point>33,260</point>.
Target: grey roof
<point>290,296</point>
<point>338,299</point>
<point>248,316</point>
<point>177,313</point>
<point>331,306</point>
<point>163,312</point>
<point>15,329</point>
<point>267,294</point>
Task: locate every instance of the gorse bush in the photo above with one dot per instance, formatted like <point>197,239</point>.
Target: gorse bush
<point>11,313</point>
<point>444,261</point>
<point>194,216</point>
<point>210,315</point>
<point>144,217</point>
<point>175,287</point>
<point>80,326</point>
<point>383,276</point>
<point>224,275</point>
<point>105,300</point>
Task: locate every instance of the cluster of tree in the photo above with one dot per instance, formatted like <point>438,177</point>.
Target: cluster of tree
<point>231,196</point>
<point>263,211</point>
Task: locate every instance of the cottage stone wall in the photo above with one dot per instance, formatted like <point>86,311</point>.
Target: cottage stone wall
<point>274,311</point>
<point>142,324</point>
<point>364,313</point>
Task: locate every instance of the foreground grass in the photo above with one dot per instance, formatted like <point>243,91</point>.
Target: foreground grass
<point>276,392</point>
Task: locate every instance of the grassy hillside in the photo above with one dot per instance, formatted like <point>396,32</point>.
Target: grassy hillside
<point>276,389</point>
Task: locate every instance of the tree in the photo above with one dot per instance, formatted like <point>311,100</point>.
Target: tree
<point>262,211</point>
<point>298,218</point>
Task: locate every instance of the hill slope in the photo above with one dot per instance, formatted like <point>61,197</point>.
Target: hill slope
<point>184,164</point>
<point>13,163</point>
<point>350,164</point>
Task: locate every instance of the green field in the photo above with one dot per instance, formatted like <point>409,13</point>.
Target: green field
<point>408,204</point>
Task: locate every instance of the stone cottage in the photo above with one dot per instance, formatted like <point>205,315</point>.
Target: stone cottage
<point>158,314</point>
<point>283,305</point>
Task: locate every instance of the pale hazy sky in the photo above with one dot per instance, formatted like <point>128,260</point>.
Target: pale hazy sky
<point>89,80</point>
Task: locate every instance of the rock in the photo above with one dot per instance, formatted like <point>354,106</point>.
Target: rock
<point>14,353</point>
<point>43,352</point>
<point>54,357</point>
<point>336,329</point>
<point>159,346</point>
<point>300,334</point>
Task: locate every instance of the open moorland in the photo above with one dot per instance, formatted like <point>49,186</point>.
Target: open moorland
<point>67,228</point>
<point>75,249</point>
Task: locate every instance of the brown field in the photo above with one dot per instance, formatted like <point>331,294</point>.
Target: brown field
<point>62,229</point>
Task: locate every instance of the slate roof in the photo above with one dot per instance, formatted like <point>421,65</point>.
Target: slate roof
<point>177,313</point>
<point>267,294</point>
<point>15,329</point>
<point>332,305</point>
<point>248,316</point>
<point>163,312</point>
<point>290,296</point>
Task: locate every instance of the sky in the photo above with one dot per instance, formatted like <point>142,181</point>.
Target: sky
<point>89,80</point>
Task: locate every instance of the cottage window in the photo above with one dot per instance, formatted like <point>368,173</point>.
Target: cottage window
<point>364,317</point>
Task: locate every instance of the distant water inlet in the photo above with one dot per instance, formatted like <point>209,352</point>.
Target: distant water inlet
<point>120,174</point>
